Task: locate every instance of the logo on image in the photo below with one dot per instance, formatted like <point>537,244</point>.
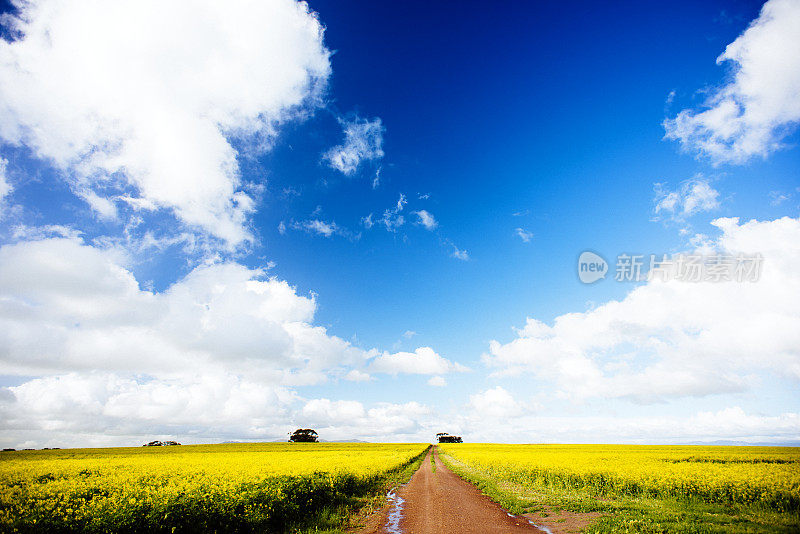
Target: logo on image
<point>591,267</point>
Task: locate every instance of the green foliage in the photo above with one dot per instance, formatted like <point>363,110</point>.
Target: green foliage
<point>303,435</point>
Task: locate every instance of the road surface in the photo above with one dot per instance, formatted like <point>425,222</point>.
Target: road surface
<point>442,503</point>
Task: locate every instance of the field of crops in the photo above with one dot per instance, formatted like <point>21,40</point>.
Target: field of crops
<point>769,476</point>
<point>238,487</point>
<point>762,478</point>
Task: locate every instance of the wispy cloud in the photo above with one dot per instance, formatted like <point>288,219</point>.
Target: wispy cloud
<point>5,185</point>
<point>367,221</point>
<point>363,141</point>
<point>376,181</point>
<point>392,219</point>
<point>318,227</point>
<point>426,219</point>
<point>694,196</point>
<point>524,234</point>
<point>459,254</point>
<point>777,197</point>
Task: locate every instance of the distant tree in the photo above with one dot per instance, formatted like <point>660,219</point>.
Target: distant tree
<point>444,437</point>
<point>303,435</point>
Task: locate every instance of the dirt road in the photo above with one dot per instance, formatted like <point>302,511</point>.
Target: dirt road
<point>441,502</point>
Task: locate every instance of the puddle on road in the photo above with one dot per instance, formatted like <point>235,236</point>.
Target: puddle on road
<point>393,521</point>
<point>540,527</point>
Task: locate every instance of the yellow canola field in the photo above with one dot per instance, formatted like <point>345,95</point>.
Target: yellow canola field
<point>236,487</point>
<point>768,476</point>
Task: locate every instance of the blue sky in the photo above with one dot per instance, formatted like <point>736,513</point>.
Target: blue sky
<point>521,134</point>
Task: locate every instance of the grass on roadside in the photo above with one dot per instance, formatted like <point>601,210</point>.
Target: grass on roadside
<point>629,514</point>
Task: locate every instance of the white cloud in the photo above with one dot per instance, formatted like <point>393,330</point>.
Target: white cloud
<point>676,339</point>
<point>408,334</point>
<point>355,375</point>
<point>524,235</point>
<point>212,357</point>
<point>66,306</point>
<point>318,227</point>
<point>106,409</point>
<point>149,114</point>
<point>327,412</point>
<point>363,141</point>
<point>423,361</point>
<point>437,381</point>
<point>392,219</point>
<point>323,228</point>
<point>33,233</point>
<point>694,196</point>
<point>77,409</point>
<point>426,219</point>
<point>367,221</point>
<point>777,197</point>
<point>459,254</point>
<point>103,207</point>
<point>496,403</point>
<point>752,113</point>
<point>335,420</point>
<point>732,424</point>
<point>5,186</point>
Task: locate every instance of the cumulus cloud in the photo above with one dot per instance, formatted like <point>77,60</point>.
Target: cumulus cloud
<point>344,419</point>
<point>760,105</point>
<point>672,339</point>
<point>363,141</point>
<point>496,403</point>
<point>150,115</point>
<point>437,381</point>
<point>426,219</point>
<point>354,375</point>
<point>66,306</point>
<point>328,412</point>
<point>423,361</point>
<point>214,356</point>
<point>694,196</point>
<point>731,424</point>
<point>106,408</point>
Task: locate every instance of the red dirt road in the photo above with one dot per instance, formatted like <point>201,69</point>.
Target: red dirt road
<point>443,503</point>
